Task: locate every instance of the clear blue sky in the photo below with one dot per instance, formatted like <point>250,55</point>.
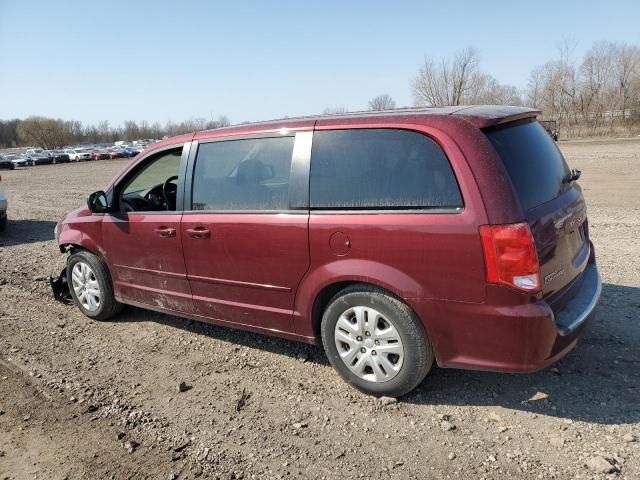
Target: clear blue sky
<point>159,60</point>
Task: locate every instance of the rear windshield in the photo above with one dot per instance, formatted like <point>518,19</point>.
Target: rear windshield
<point>533,161</point>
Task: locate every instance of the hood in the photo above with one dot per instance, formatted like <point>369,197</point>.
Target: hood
<point>77,213</point>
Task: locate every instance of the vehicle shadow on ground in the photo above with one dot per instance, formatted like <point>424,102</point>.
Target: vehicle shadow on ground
<point>279,346</point>
<point>19,232</point>
<point>599,381</point>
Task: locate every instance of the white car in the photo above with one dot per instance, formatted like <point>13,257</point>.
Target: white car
<point>17,160</point>
<point>77,154</point>
<point>3,211</point>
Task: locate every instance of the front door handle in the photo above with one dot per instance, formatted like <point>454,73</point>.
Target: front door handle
<point>165,232</point>
<point>198,232</point>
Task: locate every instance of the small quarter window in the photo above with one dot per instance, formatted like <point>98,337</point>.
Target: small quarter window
<point>380,169</point>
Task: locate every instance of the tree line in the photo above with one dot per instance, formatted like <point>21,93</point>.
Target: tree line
<point>595,95</point>
<point>51,133</point>
<point>599,93</point>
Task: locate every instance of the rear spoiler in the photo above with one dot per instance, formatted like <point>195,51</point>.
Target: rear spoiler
<point>483,116</point>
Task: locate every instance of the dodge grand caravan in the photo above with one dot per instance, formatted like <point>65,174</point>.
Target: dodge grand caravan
<point>393,239</point>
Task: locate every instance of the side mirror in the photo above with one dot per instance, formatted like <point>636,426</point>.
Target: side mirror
<point>97,202</point>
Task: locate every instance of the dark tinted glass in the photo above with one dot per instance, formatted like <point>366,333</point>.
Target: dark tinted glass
<point>243,174</point>
<point>534,163</point>
<point>381,169</point>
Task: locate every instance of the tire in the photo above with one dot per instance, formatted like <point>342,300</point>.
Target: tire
<point>98,276</point>
<point>403,371</point>
<point>3,223</point>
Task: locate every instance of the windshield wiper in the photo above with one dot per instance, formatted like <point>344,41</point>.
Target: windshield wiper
<point>572,176</point>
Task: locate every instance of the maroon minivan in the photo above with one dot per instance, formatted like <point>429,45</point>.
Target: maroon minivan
<point>392,238</point>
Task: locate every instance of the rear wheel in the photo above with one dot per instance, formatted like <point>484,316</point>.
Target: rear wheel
<point>3,223</point>
<point>375,341</point>
<point>91,287</point>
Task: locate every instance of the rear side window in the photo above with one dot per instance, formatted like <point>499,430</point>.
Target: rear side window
<point>250,174</point>
<point>380,169</point>
<point>533,161</point>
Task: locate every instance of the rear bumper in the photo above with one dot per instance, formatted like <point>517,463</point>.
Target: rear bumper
<point>513,338</point>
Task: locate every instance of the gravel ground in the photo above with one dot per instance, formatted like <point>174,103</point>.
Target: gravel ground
<point>81,399</point>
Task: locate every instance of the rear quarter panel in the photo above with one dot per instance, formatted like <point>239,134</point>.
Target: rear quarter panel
<point>419,256</point>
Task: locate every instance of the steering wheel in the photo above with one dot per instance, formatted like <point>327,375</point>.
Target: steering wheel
<point>170,192</point>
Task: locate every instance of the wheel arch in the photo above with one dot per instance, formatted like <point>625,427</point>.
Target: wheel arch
<point>71,248</point>
<point>323,297</point>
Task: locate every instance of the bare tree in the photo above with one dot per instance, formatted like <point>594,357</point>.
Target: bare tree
<point>459,81</point>
<point>44,132</point>
<point>382,102</point>
<point>626,71</point>
<point>601,91</point>
<point>448,81</point>
<point>597,89</point>
<point>535,88</point>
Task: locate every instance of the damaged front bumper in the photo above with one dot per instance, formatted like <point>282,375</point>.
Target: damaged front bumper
<point>60,287</point>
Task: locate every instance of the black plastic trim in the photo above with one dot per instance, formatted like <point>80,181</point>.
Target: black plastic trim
<point>374,211</point>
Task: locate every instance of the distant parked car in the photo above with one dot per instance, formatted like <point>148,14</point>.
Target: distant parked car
<point>19,160</point>
<point>16,160</point>
<point>77,154</point>
<point>100,154</point>
<point>5,162</point>
<point>122,152</point>
<point>58,156</point>
<point>3,211</point>
<point>115,152</point>
<point>37,156</point>
<point>137,148</point>
<point>551,127</point>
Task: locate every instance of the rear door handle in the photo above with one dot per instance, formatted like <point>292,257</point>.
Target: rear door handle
<point>165,232</point>
<point>198,232</point>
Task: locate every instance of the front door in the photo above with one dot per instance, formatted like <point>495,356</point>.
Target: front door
<point>142,237</point>
<point>246,249</point>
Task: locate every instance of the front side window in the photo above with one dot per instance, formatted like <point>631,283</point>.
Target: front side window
<point>380,169</point>
<point>251,174</point>
<point>155,186</point>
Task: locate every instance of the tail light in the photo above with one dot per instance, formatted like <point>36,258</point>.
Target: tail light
<point>510,256</point>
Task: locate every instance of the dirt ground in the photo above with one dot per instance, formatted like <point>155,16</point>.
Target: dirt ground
<point>82,399</point>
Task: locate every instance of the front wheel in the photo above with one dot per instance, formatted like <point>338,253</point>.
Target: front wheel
<point>375,341</point>
<point>91,286</point>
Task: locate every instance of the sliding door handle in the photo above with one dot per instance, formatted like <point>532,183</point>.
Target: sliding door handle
<point>198,232</point>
